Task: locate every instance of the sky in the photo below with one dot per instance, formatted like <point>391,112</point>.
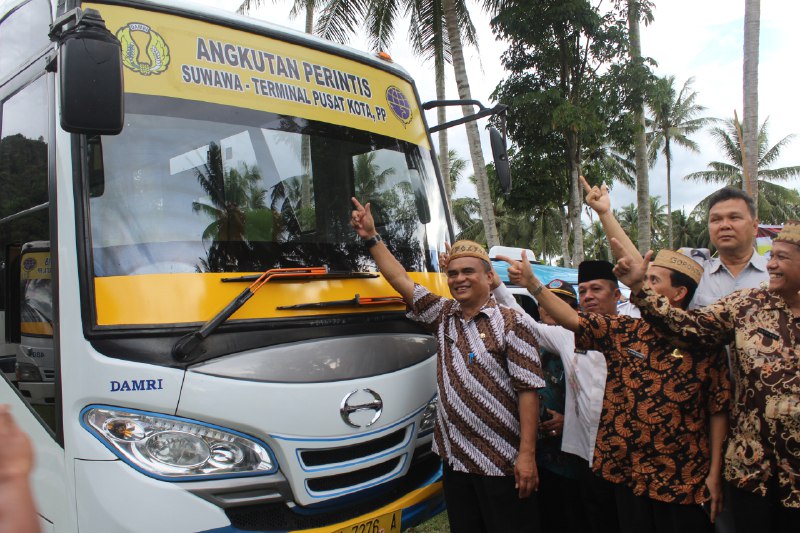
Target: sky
<point>699,39</point>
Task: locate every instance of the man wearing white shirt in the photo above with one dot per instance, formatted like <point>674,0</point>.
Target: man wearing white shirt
<point>585,373</point>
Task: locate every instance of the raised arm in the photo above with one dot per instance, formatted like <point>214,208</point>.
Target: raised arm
<point>599,200</point>
<point>521,273</point>
<point>711,326</point>
<point>391,269</point>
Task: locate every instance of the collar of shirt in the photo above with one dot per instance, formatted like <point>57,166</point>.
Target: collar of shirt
<point>759,262</point>
<point>488,309</point>
<point>774,301</point>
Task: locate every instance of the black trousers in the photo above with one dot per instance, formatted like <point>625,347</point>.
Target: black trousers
<point>558,511</point>
<point>761,514</point>
<point>487,504</point>
<point>640,514</point>
<point>596,502</point>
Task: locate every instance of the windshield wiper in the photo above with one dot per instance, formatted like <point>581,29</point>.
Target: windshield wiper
<point>186,345</point>
<point>327,274</point>
<point>357,300</point>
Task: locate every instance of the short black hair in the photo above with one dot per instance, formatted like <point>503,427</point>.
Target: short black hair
<point>679,279</point>
<point>731,193</point>
<point>487,267</point>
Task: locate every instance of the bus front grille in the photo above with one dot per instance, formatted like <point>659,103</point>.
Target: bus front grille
<point>351,479</point>
<point>345,454</point>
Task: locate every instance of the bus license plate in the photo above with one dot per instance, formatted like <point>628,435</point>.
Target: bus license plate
<point>388,523</point>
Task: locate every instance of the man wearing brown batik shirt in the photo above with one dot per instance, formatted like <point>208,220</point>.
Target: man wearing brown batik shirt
<point>487,374</point>
<point>664,410</point>
<point>762,460</point>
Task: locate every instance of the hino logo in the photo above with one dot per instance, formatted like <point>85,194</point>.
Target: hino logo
<point>361,408</point>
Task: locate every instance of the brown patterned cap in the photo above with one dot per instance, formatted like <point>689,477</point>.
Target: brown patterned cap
<point>679,263</point>
<point>790,233</point>
<point>468,249</point>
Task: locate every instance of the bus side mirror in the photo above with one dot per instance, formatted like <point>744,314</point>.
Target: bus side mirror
<point>500,159</point>
<point>90,75</point>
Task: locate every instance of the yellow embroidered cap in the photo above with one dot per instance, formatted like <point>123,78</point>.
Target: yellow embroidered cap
<point>679,263</point>
<point>468,249</point>
<point>790,233</point>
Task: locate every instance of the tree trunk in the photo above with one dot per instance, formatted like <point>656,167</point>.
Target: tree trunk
<point>668,155</point>
<point>305,140</point>
<point>639,139</point>
<point>752,22</point>
<point>441,117</point>
<point>475,151</point>
<point>565,237</point>
<point>575,198</point>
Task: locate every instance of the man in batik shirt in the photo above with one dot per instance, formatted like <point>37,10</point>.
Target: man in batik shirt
<point>762,460</point>
<point>487,373</point>
<point>654,441</point>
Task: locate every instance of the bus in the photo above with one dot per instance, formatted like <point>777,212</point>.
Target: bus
<point>200,342</point>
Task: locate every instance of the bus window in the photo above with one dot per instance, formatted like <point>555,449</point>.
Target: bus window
<point>23,34</point>
<point>24,230</point>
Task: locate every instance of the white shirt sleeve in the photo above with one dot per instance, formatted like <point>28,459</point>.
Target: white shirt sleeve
<point>553,338</point>
<point>504,297</point>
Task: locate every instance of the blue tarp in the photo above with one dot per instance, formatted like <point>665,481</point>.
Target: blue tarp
<point>545,273</point>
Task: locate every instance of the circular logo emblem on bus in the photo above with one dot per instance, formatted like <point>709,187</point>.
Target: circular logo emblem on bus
<point>144,51</point>
<point>29,263</point>
<point>399,104</point>
<point>361,408</point>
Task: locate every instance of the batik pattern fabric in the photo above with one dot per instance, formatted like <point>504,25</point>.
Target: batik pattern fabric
<point>481,365</point>
<point>764,440</point>
<point>653,434</point>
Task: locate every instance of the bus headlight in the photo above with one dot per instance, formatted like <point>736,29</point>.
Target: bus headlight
<point>177,449</point>
<point>428,417</point>
<point>28,372</point>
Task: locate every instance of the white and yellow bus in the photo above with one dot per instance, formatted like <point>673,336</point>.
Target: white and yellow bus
<point>233,150</point>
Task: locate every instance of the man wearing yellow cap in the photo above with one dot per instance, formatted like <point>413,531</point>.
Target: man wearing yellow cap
<point>762,460</point>
<point>488,371</point>
<point>653,441</point>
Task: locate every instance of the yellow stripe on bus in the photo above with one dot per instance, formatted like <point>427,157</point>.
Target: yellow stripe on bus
<point>165,55</point>
<point>191,298</point>
<point>36,328</point>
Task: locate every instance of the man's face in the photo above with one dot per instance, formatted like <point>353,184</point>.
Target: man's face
<point>598,296</point>
<point>784,268</point>
<point>731,226</point>
<point>545,316</point>
<point>469,282</point>
<point>660,280</point>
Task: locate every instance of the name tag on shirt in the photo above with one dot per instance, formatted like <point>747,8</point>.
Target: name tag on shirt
<point>771,334</point>
<point>634,353</point>
<point>582,352</point>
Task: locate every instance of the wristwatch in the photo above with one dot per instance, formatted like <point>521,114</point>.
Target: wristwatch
<point>538,289</point>
<point>372,241</point>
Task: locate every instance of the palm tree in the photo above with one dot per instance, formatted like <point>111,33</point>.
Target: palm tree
<point>636,10</point>
<point>340,18</point>
<point>690,231</point>
<point>236,206</point>
<point>595,243</point>
<point>456,167</point>
<point>750,134</point>
<point>658,222</point>
<point>298,6</point>
<point>673,120</point>
<point>628,217</point>
<point>777,203</point>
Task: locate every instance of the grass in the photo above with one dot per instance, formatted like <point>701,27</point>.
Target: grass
<point>437,524</point>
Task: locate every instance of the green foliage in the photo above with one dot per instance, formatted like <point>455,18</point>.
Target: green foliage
<point>570,85</point>
<point>776,204</point>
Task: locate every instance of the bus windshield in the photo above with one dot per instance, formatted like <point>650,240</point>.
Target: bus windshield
<point>194,187</point>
